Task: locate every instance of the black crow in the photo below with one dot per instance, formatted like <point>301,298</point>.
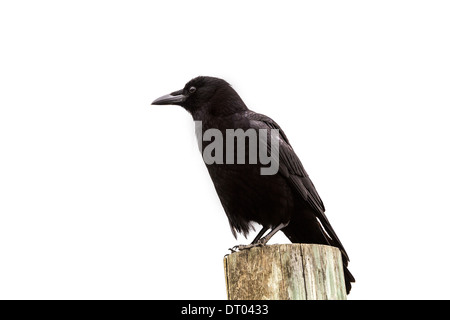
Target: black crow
<point>286,200</point>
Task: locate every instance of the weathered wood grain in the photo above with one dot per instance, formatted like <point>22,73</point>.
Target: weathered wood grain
<point>285,272</point>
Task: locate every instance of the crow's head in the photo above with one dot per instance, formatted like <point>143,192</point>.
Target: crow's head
<point>205,95</point>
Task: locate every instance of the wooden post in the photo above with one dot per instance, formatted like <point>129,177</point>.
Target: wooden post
<point>285,272</point>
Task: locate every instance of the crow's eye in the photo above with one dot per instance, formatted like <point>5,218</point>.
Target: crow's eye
<point>192,89</point>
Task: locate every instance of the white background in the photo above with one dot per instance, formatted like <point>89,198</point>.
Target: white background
<point>104,196</point>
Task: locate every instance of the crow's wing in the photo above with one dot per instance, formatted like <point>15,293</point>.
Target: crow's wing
<point>292,169</point>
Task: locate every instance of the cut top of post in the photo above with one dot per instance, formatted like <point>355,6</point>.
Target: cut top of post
<point>285,272</point>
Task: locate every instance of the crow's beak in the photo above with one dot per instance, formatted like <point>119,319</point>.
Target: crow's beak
<point>176,97</point>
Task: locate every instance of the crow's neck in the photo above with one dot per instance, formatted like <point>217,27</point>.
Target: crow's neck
<point>221,105</point>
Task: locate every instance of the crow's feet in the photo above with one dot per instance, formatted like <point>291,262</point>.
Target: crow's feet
<point>245,246</point>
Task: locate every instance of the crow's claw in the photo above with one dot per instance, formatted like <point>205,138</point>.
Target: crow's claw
<point>242,247</point>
